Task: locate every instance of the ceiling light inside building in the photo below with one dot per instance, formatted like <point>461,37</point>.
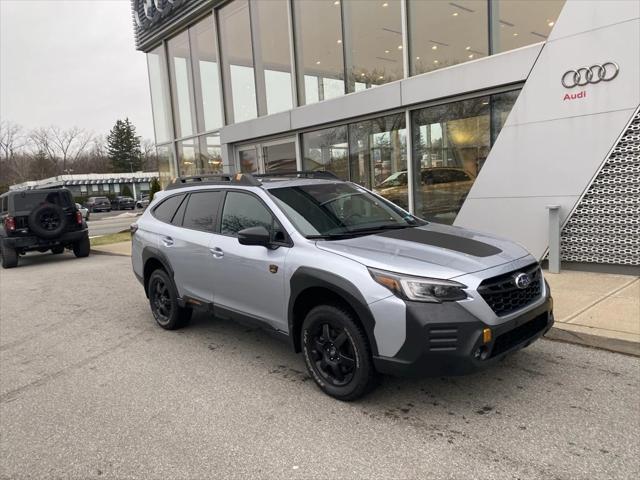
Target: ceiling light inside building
<point>385,4</point>
<point>455,14</point>
<point>551,24</point>
<point>386,51</point>
<point>399,47</point>
<point>515,34</point>
<point>339,41</point>
<point>417,58</point>
<point>318,62</point>
<point>471,56</point>
<point>435,47</point>
<point>337,2</point>
<point>380,77</point>
<point>468,48</point>
<point>435,61</point>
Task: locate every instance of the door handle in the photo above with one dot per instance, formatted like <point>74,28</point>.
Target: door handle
<point>167,241</point>
<point>216,252</point>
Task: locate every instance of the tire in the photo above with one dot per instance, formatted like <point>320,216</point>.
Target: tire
<point>163,300</point>
<point>337,353</point>
<point>9,257</point>
<point>81,248</point>
<point>57,250</point>
<point>47,221</point>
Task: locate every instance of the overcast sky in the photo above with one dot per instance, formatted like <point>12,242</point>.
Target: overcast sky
<point>72,63</point>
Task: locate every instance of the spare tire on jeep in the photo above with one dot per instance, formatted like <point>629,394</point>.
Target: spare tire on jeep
<point>47,221</point>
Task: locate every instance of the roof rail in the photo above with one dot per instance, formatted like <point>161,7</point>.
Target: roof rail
<point>238,179</point>
<point>300,174</point>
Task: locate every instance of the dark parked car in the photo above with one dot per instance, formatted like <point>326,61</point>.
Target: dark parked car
<point>123,203</point>
<point>98,204</point>
<point>40,220</point>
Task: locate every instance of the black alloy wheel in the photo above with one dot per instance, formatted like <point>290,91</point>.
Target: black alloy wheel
<point>163,299</point>
<point>50,221</point>
<point>333,353</point>
<point>337,353</point>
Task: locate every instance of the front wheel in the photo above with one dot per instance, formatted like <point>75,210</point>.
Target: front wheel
<point>337,353</point>
<point>163,299</point>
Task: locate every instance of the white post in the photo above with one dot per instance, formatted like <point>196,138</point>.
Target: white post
<point>554,238</point>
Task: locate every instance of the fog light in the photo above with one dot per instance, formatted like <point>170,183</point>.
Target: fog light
<point>486,335</point>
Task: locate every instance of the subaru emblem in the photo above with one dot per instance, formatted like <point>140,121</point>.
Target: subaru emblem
<point>522,280</point>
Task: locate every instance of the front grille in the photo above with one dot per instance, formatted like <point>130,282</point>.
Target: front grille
<point>520,334</point>
<point>504,297</point>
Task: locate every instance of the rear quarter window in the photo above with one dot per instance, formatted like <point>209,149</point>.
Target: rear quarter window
<point>167,208</point>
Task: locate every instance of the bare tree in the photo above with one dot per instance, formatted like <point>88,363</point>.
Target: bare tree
<point>149,156</point>
<point>61,146</point>
<point>12,139</point>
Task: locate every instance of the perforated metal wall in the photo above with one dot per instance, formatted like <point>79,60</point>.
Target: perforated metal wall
<point>605,227</point>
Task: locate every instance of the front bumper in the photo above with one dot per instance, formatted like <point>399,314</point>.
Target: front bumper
<point>32,242</point>
<point>445,339</point>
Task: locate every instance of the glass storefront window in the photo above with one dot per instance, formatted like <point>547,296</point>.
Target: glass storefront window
<point>181,84</point>
<point>318,28</point>
<point>210,155</point>
<point>444,33</point>
<point>205,72</point>
<point>272,53</point>
<point>378,156</point>
<point>248,158</point>
<point>327,150</point>
<point>159,85</point>
<point>373,38</point>
<point>517,23</point>
<point>166,165</point>
<point>188,154</point>
<point>501,105</point>
<point>237,62</point>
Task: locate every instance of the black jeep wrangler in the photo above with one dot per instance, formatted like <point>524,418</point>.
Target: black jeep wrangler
<point>40,220</point>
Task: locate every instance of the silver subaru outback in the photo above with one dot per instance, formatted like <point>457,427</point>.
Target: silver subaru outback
<point>358,285</point>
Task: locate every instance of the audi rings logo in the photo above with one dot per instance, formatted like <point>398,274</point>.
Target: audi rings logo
<point>594,74</point>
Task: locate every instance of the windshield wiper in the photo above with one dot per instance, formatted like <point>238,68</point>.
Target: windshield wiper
<point>358,232</point>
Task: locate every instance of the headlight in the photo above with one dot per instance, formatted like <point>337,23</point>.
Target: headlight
<point>420,289</point>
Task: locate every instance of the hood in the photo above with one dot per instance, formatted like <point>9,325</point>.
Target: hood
<point>432,250</point>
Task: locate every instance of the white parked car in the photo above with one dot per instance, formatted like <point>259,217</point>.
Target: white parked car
<point>83,210</point>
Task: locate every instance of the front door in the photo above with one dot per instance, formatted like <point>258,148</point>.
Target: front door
<point>249,279</point>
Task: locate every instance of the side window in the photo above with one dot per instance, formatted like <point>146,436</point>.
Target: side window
<point>241,211</point>
<point>179,215</point>
<point>165,211</point>
<point>202,210</point>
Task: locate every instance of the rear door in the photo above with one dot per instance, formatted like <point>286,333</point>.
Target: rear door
<point>189,241</point>
<point>249,279</point>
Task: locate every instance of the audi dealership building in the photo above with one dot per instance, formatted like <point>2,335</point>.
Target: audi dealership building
<point>490,114</point>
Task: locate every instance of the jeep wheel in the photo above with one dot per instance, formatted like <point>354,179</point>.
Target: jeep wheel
<point>337,353</point>
<point>163,299</point>
<point>47,221</point>
<point>82,247</point>
<point>57,250</point>
<point>9,257</point>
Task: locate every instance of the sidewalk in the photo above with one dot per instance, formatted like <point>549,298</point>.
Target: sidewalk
<point>596,309</point>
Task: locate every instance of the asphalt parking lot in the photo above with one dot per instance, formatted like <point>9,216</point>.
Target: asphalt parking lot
<point>92,388</point>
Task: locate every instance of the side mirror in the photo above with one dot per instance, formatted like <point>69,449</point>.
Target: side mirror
<point>254,236</point>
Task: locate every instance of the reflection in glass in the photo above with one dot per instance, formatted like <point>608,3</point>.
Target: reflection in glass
<point>237,62</point>
<point>210,157</point>
<point>205,68</point>
<point>272,54</point>
<point>378,156</point>
<point>501,105</point>
<point>279,157</point>
<point>444,33</point>
<point>187,155</point>
<point>181,84</point>
<point>451,143</point>
<point>159,85</point>
<point>522,22</point>
<point>166,165</point>
<point>373,38</point>
<point>248,158</point>
<point>327,150</point>
<point>319,49</point>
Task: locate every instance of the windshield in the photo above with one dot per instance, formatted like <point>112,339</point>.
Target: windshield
<point>333,210</point>
<point>396,180</point>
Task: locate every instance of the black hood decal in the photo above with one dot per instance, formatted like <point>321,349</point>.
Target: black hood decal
<point>443,240</point>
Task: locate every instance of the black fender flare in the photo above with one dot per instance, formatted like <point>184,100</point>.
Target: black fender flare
<point>153,253</point>
<point>305,278</point>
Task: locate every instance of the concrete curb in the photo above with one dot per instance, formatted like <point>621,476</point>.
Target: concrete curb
<point>618,345</point>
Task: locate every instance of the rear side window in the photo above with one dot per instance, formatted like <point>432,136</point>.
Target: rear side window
<point>202,211</point>
<point>165,211</point>
<point>242,211</point>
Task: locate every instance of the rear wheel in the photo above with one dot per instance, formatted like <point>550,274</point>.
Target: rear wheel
<point>9,257</point>
<point>337,353</point>
<point>57,250</point>
<point>82,247</point>
<point>163,299</point>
